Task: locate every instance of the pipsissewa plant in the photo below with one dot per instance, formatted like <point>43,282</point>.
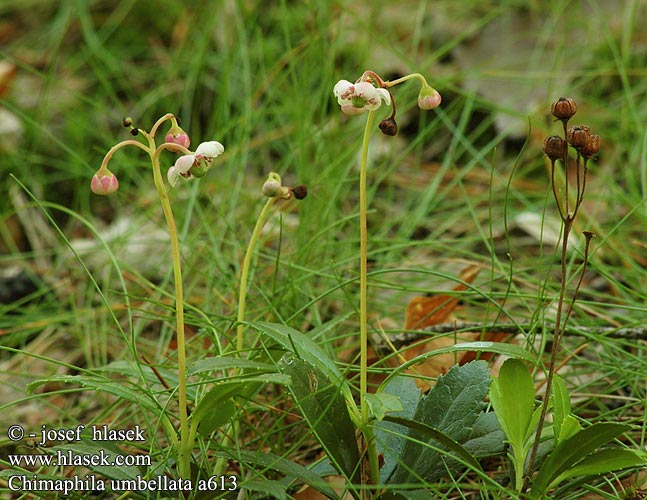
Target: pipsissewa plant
<point>556,148</point>
<point>569,450</point>
<point>367,94</point>
<point>188,165</point>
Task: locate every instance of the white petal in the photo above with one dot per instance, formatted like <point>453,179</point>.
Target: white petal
<point>366,91</point>
<point>385,96</point>
<point>184,163</point>
<point>172,176</point>
<point>341,86</point>
<point>210,149</point>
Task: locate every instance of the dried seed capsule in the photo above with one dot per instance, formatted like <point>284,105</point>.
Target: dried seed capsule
<point>592,146</point>
<point>554,147</point>
<point>564,108</point>
<point>578,136</point>
<point>389,126</point>
<point>300,192</point>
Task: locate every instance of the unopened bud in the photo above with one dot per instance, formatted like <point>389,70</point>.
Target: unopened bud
<point>563,109</point>
<point>176,135</point>
<point>429,98</point>
<point>272,188</point>
<point>578,136</point>
<point>127,122</point>
<point>389,126</point>
<point>104,182</point>
<point>554,147</point>
<point>181,139</point>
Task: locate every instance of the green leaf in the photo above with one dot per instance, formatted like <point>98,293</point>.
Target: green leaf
<point>226,363</point>
<point>513,398</point>
<point>121,388</point>
<point>270,489</point>
<point>443,439</point>
<point>216,408</point>
<point>264,459</point>
<point>572,450</point>
<point>323,407</point>
<point>487,437</point>
<point>304,348</point>
<point>451,408</point>
<point>561,406</point>
<point>382,403</point>
<point>390,437</point>
<point>601,462</point>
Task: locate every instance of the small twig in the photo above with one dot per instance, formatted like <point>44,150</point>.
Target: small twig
<point>627,333</point>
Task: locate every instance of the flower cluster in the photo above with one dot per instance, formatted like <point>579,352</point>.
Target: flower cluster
<point>370,91</point>
<point>356,98</point>
<point>580,138</point>
<point>189,165</point>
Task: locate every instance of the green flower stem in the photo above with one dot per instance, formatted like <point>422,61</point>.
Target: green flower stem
<point>363,267</point>
<point>167,116</point>
<point>116,147</point>
<point>242,300</point>
<point>244,275</point>
<point>403,79</point>
<point>185,446</point>
<point>363,299</point>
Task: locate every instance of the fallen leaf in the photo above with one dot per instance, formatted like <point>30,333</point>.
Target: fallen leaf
<point>423,312</point>
<point>426,311</point>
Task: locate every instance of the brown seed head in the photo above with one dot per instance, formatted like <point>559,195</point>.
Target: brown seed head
<point>554,147</point>
<point>389,126</point>
<point>300,192</point>
<point>563,109</point>
<point>578,136</point>
<point>592,147</point>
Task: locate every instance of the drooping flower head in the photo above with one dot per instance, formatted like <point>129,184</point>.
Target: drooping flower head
<point>104,182</point>
<point>178,136</point>
<point>428,98</point>
<point>356,98</point>
<point>196,164</point>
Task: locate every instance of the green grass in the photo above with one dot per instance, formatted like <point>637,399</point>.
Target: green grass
<point>258,77</point>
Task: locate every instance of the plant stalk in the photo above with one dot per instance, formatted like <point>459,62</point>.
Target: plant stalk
<point>244,274</point>
<point>363,299</point>
<point>185,446</point>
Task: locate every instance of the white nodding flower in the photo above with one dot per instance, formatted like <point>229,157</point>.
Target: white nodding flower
<point>196,164</point>
<point>209,150</point>
<point>181,169</point>
<point>362,96</point>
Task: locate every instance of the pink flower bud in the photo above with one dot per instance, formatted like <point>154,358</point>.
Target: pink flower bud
<point>176,135</point>
<point>104,182</point>
<point>429,98</point>
<point>181,139</point>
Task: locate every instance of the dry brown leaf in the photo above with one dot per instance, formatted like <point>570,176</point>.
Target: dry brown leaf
<point>8,72</point>
<point>422,312</point>
<point>426,311</point>
<point>309,493</point>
